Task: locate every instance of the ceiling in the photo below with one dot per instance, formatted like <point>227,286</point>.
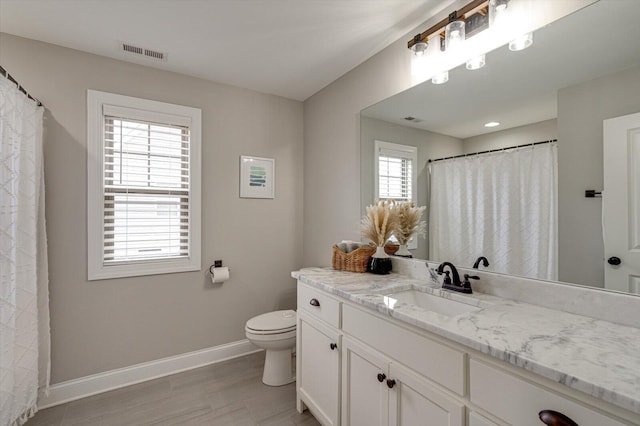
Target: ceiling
<point>290,48</point>
<point>519,88</point>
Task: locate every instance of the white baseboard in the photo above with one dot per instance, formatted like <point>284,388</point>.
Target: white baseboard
<point>71,390</point>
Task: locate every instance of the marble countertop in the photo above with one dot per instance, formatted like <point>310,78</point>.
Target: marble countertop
<point>593,356</point>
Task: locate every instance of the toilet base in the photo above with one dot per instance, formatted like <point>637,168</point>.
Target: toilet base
<point>278,369</point>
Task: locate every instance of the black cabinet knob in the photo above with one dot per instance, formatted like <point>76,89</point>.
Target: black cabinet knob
<point>333,346</point>
<point>613,260</point>
<point>314,302</point>
<point>391,383</point>
<point>553,418</point>
<point>381,377</point>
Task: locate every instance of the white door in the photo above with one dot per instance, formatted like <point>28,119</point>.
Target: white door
<point>364,388</point>
<point>621,203</point>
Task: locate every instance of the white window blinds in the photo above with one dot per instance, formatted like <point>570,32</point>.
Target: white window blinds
<point>395,173</point>
<point>146,186</point>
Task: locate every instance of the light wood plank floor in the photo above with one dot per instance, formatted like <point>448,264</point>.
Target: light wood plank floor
<point>229,393</point>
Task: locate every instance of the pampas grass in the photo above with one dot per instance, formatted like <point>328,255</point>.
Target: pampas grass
<point>379,222</point>
<point>408,221</point>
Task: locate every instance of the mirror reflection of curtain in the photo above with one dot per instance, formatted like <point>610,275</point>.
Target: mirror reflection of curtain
<point>502,205</point>
<point>24,297</point>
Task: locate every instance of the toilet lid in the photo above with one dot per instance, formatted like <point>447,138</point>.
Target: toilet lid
<point>271,321</point>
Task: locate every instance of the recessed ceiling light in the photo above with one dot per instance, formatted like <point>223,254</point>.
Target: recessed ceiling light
<point>492,124</point>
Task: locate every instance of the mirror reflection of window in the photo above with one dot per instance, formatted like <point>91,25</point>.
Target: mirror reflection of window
<point>395,176</point>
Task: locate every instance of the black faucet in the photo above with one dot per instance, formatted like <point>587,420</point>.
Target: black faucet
<point>454,271</point>
<point>455,284</point>
<point>485,262</point>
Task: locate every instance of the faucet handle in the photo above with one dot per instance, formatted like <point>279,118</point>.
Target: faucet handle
<point>447,278</point>
<point>466,283</point>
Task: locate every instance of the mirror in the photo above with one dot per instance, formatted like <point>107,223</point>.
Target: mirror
<point>580,70</point>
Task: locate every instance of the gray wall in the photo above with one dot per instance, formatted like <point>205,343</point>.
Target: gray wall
<point>522,135</point>
<point>332,137</point>
<point>581,110</point>
<point>430,145</point>
<point>102,325</point>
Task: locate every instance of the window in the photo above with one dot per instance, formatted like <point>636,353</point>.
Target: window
<point>143,187</point>
<point>395,174</point>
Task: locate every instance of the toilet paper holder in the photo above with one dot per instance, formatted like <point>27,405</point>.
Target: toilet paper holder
<point>216,264</point>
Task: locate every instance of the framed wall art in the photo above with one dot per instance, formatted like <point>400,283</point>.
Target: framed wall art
<point>257,177</point>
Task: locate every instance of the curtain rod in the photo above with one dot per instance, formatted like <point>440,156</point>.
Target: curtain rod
<point>6,74</point>
<point>494,150</point>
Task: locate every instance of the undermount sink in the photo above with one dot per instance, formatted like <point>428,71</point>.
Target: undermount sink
<point>429,302</point>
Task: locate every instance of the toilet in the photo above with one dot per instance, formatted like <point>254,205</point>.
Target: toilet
<point>275,332</point>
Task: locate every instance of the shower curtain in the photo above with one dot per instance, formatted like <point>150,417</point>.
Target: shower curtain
<point>501,205</point>
<point>24,299</point>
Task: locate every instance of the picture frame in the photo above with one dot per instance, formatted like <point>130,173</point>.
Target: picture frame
<point>257,177</point>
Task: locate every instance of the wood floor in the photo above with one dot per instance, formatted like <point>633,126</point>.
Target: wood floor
<point>229,393</point>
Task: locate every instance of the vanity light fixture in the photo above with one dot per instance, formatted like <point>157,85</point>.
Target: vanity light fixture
<point>492,124</point>
<point>474,12</point>
<point>451,36</point>
<point>521,43</point>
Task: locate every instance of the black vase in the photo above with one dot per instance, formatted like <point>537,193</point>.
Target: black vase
<point>380,265</point>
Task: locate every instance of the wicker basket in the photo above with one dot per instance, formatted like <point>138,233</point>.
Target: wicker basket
<point>356,261</point>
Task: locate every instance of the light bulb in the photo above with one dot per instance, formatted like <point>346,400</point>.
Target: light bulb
<point>477,62</point>
<point>440,78</point>
<point>454,34</point>
<point>498,12</point>
<point>521,42</point>
<point>419,48</point>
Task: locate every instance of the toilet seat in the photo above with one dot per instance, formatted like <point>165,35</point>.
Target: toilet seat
<point>271,337</point>
<point>277,322</point>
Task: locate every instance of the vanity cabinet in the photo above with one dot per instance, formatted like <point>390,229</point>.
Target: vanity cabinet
<point>377,391</point>
<point>358,367</point>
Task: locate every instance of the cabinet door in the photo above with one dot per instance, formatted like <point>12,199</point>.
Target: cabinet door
<point>414,401</point>
<point>364,387</point>
<point>318,375</point>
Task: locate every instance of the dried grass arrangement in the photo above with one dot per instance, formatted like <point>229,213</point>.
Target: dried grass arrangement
<point>380,222</point>
<point>408,222</point>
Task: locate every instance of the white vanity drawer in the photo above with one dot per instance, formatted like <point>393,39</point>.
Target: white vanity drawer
<point>433,360</point>
<point>518,402</point>
<point>319,304</point>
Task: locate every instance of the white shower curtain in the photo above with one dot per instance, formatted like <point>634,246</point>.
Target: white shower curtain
<point>501,205</point>
<point>24,298</point>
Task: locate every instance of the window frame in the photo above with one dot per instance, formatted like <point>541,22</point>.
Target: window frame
<point>96,268</point>
<point>412,154</point>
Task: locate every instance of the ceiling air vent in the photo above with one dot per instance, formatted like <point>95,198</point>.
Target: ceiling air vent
<point>143,51</point>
